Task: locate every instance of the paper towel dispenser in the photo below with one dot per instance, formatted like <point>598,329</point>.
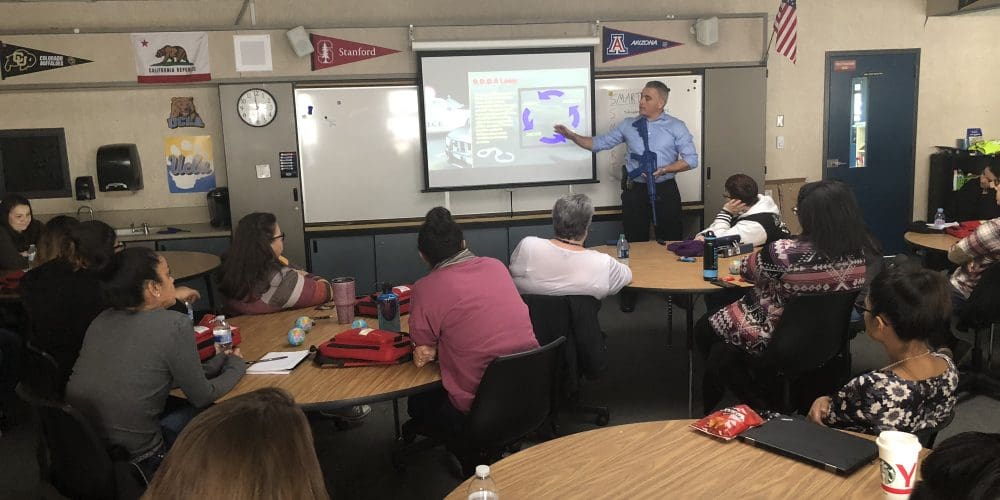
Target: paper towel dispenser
<point>118,168</point>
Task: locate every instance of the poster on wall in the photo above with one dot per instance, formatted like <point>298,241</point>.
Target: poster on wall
<point>17,61</point>
<point>618,44</point>
<point>190,167</point>
<point>183,113</point>
<point>335,51</point>
<point>171,57</point>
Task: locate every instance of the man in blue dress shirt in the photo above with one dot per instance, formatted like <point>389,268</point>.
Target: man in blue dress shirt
<point>670,139</point>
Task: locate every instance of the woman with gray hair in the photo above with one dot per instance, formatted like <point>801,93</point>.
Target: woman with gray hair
<point>561,265</point>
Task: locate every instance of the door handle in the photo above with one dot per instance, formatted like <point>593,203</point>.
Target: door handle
<point>295,194</point>
<point>708,173</point>
<point>834,163</point>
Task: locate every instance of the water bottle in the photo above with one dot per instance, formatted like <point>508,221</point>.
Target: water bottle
<point>190,309</point>
<point>711,260</point>
<point>223,334</point>
<point>32,252</point>
<point>939,219</point>
<point>482,486</point>
<point>623,249</point>
<point>388,309</point>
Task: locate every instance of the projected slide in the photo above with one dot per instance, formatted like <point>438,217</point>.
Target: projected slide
<point>488,118</point>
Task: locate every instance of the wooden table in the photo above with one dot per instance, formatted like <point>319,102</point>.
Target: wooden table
<point>191,265</point>
<point>656,269</point>
<point>933,241</point>
<point>325,388</point>
<point>666,459</point>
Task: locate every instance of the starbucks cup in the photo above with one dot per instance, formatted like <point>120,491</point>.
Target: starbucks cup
<point>898,454</point>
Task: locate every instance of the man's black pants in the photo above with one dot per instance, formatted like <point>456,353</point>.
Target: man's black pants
<point>637,212</point>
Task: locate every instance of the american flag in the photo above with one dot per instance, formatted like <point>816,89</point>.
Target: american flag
<point>785,24</point>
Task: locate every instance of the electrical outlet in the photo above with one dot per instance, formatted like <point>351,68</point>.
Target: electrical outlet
<point>781,121</point>
<point>780,142</point>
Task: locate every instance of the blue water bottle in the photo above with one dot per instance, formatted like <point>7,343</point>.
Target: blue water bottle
<point>711,260</point>
<point>388,309</point>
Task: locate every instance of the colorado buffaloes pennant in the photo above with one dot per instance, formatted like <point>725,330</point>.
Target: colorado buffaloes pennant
<point>16,61</point>
<point>334,51</point>
<point>618,44</point>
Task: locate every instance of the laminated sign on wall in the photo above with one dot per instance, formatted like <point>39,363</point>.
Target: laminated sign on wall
<point>171,57</point>
<point>190,167</point>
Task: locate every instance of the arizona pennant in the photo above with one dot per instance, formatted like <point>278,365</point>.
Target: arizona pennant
<point>335,51</point>
<point>16,61</point>
<point>618,44</point>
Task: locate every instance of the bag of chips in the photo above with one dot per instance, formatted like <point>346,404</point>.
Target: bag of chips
<point>728,423</point>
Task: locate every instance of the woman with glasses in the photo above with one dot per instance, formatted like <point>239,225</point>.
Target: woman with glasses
<point>906,306</point>
<point>829,256</point>
<point>256,279</point>
<point>752,216</point>
<point>63,296</point>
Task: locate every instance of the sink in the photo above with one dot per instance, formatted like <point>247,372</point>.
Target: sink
<point>126,231</point>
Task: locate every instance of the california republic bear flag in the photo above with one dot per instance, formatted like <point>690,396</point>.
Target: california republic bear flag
<point>171,57</point>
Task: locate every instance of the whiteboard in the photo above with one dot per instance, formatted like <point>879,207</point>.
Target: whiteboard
<point>361,158</point>
<point>618,99</point>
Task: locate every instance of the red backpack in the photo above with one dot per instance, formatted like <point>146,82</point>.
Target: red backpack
<point>364,347</point>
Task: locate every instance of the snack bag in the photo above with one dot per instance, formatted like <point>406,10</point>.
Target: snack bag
<point>728,423</point>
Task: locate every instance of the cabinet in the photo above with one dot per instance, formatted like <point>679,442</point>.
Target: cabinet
<point>214,246</point>
<point>354,256</point>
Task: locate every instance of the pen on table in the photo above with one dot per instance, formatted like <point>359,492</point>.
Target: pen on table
<point>266,360</point>
<point>328,316</point>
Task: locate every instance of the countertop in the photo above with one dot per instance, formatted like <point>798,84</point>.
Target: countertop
<point>198,230</point>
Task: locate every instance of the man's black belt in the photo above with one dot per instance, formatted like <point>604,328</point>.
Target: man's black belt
<point>631,184</point>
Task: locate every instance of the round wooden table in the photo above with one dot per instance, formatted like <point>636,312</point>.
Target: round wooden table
<point>189,265</point>
<point>932,241</point>
<point>666,459</point>
<point>656,269</point>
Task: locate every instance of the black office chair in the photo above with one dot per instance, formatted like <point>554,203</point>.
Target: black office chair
<point>810,347</point>
<point>41,373</point>
<point>77,462</point>
<point>585,355</point>
<point>513,400</point>
<point>982,312</point>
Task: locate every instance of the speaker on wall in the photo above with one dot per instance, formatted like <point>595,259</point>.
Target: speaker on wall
<point>299,39</point>
<point>706,31</point>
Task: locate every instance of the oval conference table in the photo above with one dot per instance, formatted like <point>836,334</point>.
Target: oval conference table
<point>666,459</point>
<point>931,241</point>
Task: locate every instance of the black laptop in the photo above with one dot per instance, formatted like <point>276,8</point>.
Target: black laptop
<point>830,449</point>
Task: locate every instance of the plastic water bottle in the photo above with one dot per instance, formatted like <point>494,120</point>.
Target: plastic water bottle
<point>482,486</point>
<point>32,252</point>
<point>388,309</point>
<point>939,221</point>
<point>190,309</point>
<point>623,249</point>
<point>223,334</point>
<point>711,260</point>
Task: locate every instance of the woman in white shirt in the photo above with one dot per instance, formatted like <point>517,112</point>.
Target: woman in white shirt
<point>561,265</point>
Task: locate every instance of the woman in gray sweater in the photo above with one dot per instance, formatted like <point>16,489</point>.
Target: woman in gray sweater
<point>137,351</point>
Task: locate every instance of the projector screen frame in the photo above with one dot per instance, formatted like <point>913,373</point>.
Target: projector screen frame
<point>489,52</point>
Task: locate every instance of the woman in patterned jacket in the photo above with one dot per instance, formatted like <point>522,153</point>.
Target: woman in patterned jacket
<point>828,257</point>
<point>917,389</point>
<point>256,279</point>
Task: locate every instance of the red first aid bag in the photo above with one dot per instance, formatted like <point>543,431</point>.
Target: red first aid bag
<point>368,304</point>
<point>364,347</point>
<point>204,339</point>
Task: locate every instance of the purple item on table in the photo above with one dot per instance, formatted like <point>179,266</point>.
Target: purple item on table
<point>687,248</point>
<point>344,298</point>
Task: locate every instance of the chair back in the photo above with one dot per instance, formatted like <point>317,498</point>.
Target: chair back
<point>812,330</point>
<point>576,318</point>
<point>983,306</point>
<point>80,465</point>
<point>41,374</point>
<point>929,435</point>
<point>514,396</point>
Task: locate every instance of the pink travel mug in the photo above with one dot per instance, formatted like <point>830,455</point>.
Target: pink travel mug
<point>343,298</point>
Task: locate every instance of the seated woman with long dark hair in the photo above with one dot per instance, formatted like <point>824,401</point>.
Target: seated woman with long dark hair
<point>226,450</point>
<point>256,279</point>
<point>135,353</point>
<point>465,313</point>
<point>54,241</point>
<point>829,256</point>
<point>63,296</point>
<point>18,231</point>
<point>906,306</point>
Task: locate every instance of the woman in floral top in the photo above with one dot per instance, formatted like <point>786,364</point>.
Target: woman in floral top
<point>917,389</point>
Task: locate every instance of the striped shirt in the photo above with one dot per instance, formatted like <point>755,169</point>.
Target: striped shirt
<point>288,288</point>
<point>983,249</point>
